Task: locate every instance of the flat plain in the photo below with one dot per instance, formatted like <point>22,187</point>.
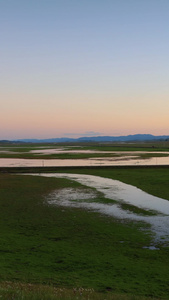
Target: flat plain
<point>70,248</point>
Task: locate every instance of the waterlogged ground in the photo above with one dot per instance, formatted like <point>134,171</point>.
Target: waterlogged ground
<point>110,197</point>
<point>78,156</point>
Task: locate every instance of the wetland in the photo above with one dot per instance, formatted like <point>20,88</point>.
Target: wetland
<point>150,209</point>
<point>80,156</point>
<point>52,223</point>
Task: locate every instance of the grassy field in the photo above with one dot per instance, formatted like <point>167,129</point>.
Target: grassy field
<point>74,248</point>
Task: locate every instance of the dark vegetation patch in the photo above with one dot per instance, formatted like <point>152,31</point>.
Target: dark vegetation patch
<point>137,210</point>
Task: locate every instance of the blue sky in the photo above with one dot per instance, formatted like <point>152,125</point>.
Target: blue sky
<point>74,67</point>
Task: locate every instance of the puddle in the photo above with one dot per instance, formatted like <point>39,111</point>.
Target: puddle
<point>151,248</point>
<point>70,196</point>
<point>115,190</point>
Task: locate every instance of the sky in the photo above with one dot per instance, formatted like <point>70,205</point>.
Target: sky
<point>71,68</point>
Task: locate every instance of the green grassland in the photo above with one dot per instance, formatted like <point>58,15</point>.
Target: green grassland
<point>68,248</point>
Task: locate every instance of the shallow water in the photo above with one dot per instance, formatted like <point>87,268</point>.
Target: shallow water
<point>62,150</point>
<point>115,190</point>
<point>102,161</point>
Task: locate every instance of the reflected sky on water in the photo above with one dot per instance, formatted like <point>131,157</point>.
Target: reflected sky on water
<point>115,190</point>
<point>110,161</point>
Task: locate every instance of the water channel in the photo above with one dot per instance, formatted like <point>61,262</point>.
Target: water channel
<point>102,161</point>
<point>115,190</point>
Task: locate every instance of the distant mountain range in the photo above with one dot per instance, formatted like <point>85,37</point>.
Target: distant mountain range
<point>128,138</point>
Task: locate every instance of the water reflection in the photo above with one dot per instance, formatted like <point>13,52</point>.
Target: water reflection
<point>102,161</point>
<point>85,151</point>
<point>66,150</point>
<point>115,190</point>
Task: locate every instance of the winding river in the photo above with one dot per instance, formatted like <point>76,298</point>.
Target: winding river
<point>115,190</point>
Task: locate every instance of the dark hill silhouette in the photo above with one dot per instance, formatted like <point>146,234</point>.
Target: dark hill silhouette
<point>128,138</point>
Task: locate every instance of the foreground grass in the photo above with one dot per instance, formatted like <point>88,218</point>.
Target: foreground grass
<point>68,247</point>
<point>20,291</point>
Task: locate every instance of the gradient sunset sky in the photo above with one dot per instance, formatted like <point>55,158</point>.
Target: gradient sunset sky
<point>83,68</point>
